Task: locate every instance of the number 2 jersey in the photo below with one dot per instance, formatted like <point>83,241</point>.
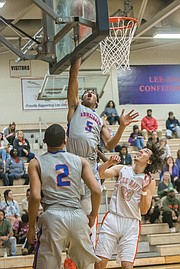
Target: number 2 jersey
<point>127,194</point>
<point>60,179</point>
<point>84,134</point>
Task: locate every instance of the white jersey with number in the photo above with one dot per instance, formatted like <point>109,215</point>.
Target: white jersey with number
<point>127,194</point>
<point>84,134</point>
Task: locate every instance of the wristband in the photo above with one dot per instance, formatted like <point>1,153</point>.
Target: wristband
<point>144,193</point>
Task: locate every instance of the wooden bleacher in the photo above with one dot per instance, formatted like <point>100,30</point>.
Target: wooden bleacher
<point>157,246</point>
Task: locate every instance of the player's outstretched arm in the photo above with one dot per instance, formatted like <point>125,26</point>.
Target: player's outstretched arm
<point>72,92</point>
<point>35,197</point>
<point>147,193</point>
<point>113,171</point>
<point>91,182</point>
<point>125,120</point>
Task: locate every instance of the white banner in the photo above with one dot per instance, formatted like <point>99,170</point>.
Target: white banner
<point>21,69</point>
<point>30,89</point>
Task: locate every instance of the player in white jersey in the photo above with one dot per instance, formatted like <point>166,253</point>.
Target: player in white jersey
<point>131,197</point>
<point>56,178</point>
<point>86,128</point>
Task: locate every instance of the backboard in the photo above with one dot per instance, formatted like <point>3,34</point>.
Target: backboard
<point>82,25</point>
<point>54,87</point>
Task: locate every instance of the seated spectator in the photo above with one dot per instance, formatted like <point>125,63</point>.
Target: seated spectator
<point>172,168</point>
<point>20,232</point>
<point>164,185</point>
<point>15,168</point>
<point>4,148</point>
<point>171,210</point>
<point>25,201</point>
<point>6,234</point>
<point>10,207</point>
<point>136,139</point>
<point>178,161</point>
<point>164,145</point>
<point>22,145</point>
<point>110,113</point>
<point>172,126</point>
<point>124,155</point>
<point>149,124</point>
<point>21,228</point>
<point>9,132</point>
<point>154,138</point>
<point>3,174</point>
<point>154,212</point>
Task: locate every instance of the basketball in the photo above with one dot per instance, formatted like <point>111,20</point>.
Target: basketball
<point>83,9</point>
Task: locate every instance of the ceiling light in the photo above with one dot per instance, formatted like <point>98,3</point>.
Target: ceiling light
<point>167,35</point>
<point>2,3</point>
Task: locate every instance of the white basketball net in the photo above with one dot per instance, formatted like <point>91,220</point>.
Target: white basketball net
<point>115,48</point>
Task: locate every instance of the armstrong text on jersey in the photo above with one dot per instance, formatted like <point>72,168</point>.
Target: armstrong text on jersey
<point>91,116</point>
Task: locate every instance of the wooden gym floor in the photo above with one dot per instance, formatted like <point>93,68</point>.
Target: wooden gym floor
<point>172,266</point>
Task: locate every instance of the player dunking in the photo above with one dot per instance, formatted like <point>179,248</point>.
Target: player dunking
<point>85,127</point>
<point>131,197</point>
<point>57,175</point>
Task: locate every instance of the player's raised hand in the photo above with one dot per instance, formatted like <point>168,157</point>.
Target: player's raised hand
<point>147,181</point>
<point>128,118</point>
<point>114,159</point>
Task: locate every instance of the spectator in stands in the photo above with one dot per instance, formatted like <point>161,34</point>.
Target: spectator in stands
<point>178,160</point>
<point>3,174</point>
<point>20,232</point>
<point>21,229</point>
<point>4,148</point>
<point>164,184</point>
<point>154,211</point>
<point>136,138</point>
<point>22,145</point>
<point>172,126</point>
<point>110,113</point>
<point>171,209</point>
<point>149,124</point>
<point>164,145</point>
<point>172,168</point>
<point>6,234</point>
<point>154,138</point>
<point>15,168</point>
<point>25,201</point>
<point>9,132</point>
<point>10,207</point>
<point>126,158</point>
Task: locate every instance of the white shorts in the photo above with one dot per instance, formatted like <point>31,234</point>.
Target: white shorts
<point>64,229</point>
<point>118,233</point>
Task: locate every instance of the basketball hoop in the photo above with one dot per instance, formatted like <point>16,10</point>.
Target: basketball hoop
<point>115,48</point>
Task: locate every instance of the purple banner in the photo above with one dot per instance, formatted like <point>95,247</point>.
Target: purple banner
<point>149,84</point>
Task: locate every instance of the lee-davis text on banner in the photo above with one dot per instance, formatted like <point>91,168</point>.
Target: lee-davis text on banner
<point>30,89</point>
<point>21,69</point>
<point>152,84</point>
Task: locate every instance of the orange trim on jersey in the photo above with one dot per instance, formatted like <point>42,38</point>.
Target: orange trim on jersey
<point>104,218</point>
<point>96,220</point>
<point>101,225</point>
<point>137,241</point>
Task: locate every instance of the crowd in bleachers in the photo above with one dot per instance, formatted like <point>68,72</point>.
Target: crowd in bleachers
<point>14,151</point>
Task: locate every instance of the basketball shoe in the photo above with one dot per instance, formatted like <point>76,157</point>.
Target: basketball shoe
<point>69,264</point>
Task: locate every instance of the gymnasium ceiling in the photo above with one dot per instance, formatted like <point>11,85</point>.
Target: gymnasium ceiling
<point>153,15</point>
